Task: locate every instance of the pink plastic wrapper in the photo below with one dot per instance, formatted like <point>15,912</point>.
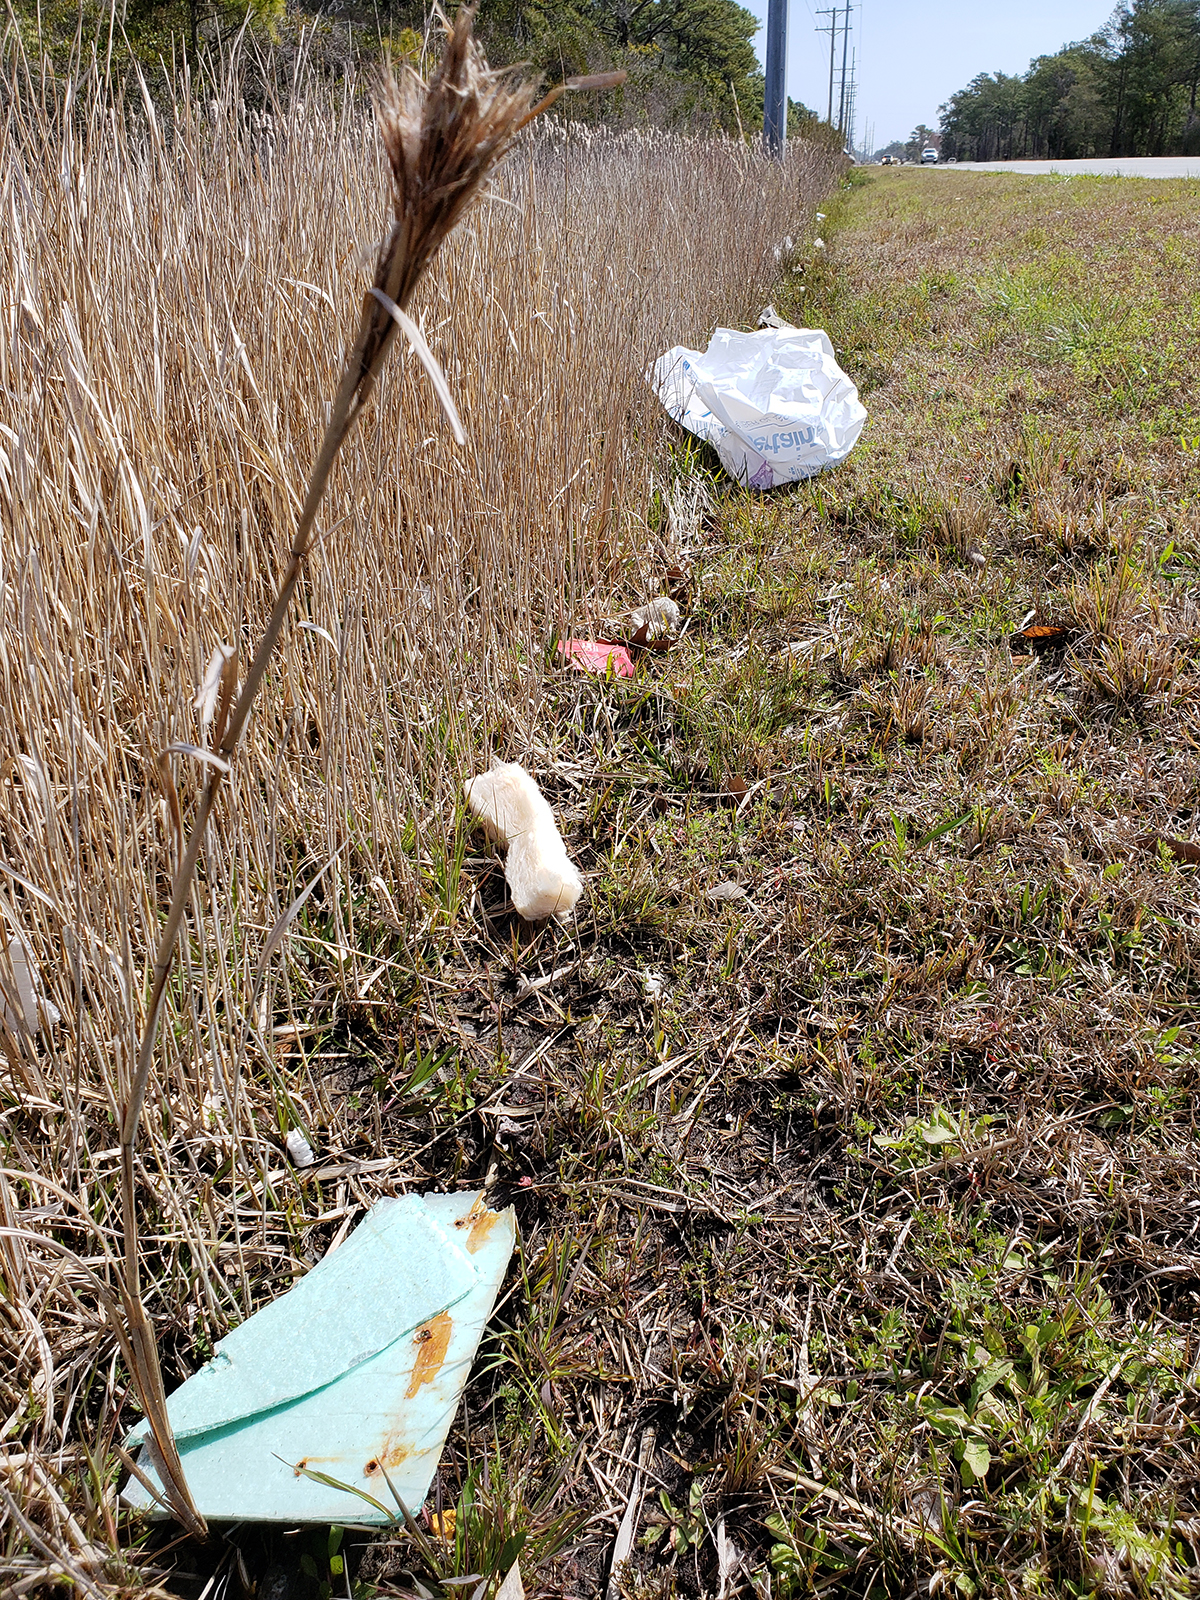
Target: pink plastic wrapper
<point>594,655</point>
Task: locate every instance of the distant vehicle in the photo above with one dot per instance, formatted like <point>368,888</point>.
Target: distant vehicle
<point>889,161</point>
<point>929,156</point>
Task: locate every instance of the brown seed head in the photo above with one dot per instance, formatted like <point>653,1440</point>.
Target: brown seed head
<point>442,139</point>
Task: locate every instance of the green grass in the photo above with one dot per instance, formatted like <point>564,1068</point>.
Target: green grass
<point>897,1258</point>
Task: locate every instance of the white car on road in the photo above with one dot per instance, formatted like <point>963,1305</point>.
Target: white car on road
<point>929,156</point>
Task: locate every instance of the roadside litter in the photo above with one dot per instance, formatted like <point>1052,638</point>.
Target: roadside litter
<point>300,1152</point>
<point>596,655</point>
<point>541,879</point>
<point>774,404</point>
<point>656,623</point>
<point>23,1002</point>
<point>650,627</point>
<point>332,1404</point>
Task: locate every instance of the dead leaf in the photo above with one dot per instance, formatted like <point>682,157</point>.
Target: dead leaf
<point>727,892</point>
<point>1181,849</point>
<point>512,1588</point>
<point>729,1559</point>
<point>643,640</point>
<point>623,1544</point>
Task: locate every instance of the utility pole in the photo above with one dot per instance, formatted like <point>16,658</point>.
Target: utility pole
<point>852,101</point>
<point>831,30</point>
<point>845,53</point>
<point>775,108</point>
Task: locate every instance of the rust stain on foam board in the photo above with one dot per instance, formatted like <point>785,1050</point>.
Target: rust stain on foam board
<point>391,1457</point>
<point>481,1230</point>
<point>478,1224</point>
<point>432,1340</point>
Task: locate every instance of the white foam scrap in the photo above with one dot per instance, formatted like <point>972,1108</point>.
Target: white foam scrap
<point>299,1149</point>
<point>512,808</point>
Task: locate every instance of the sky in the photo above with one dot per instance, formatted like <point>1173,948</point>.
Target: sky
<point>912,57</point>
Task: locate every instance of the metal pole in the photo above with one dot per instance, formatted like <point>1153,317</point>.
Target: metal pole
<point>845,52</point>
<point>775,108</point>
<point>851,101</point>
<point>832,51</point>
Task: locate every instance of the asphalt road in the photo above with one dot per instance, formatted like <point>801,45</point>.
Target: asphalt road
<point>1121,167</point>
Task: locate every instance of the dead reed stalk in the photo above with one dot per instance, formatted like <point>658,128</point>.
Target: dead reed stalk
<point>442,140</point>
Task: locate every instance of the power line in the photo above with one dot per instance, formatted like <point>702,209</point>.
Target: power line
<point>847,85</point>
<point>845,49</point>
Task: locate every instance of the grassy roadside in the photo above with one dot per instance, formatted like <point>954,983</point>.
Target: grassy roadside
<point>858,1200</point>
<point>865,1202</point>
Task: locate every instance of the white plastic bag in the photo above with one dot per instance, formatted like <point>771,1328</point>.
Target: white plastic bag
<point>774,404</point>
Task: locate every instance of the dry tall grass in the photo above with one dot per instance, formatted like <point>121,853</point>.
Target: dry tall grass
<point>178,292</point>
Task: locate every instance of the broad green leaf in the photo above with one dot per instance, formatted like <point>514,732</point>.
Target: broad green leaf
<point>937,1133</point>
<point>995,1372</point>
<point>946,1419</point>
<point>976,1459</point>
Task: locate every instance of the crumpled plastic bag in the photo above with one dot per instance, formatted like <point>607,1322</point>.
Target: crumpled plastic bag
<point>774,404</point>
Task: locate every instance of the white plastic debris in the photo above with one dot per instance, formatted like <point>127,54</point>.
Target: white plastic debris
<point>512,808</point>
<point>818,244</point>
<point>768,317</point>
<point>357,1370</point>
<point>299,1150</point>
<point>774,404</point>
<point>657,619</point>
<point>23,1006</point>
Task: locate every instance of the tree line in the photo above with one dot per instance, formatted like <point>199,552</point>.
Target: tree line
<point>1129,90</point>
<point>690,63</point>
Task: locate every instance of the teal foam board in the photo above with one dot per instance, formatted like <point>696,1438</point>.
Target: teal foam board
<point>355,1374</point>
